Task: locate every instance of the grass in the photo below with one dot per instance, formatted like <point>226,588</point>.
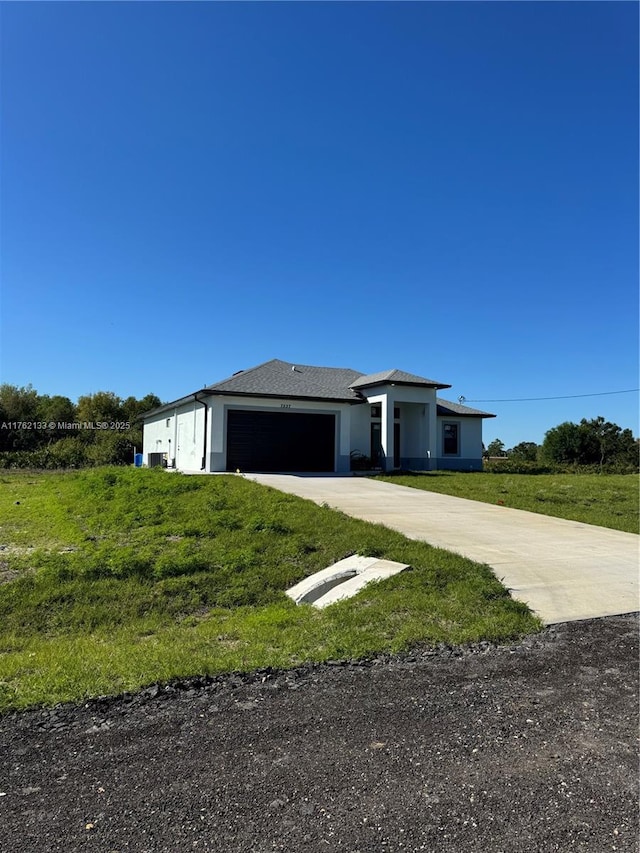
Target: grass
<point>607,500</point>
<point>116,578</point>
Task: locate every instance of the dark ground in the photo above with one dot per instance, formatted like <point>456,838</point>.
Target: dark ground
<point>526,748</point>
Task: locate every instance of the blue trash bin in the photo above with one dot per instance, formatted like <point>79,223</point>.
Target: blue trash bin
<point>137,460</point>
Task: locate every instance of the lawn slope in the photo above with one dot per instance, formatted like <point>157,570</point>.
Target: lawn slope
<point>114,578</point>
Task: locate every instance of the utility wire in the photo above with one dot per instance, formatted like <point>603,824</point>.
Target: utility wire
<point>564,397</point>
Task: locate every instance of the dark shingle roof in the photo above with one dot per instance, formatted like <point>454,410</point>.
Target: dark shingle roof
<point>277,378</point>
<point>447,408</point>
<point>399,377</point>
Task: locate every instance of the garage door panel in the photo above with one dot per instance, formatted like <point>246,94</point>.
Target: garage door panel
<point>280,441</point>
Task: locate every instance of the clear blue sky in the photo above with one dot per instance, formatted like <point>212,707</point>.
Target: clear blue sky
<point>446,188</point>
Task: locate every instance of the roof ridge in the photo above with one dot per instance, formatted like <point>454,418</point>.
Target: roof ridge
<point>318,366</point>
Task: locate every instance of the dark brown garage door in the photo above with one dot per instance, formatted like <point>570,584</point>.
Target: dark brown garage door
<point>280,441</point>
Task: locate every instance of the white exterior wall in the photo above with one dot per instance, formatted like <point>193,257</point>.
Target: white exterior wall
<point>182,439</point>
<point>417,423</point>
<point>190,438</point>
<point>469,455</point>
<point>155,437</point>
<point>414,432</point>
<point>404,393</point>
<point>421,432</point>
<point>361,429</point>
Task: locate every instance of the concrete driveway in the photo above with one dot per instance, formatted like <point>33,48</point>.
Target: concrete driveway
<point>564,570</point>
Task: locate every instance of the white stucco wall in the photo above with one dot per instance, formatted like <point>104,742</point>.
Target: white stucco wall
<point>469,440</point>
<point>155,436</point>
<point>178,432</point>
<point>361,429</point>
<point>417,422</point>
<point>190,437</point>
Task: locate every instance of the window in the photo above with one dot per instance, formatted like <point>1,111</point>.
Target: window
<point>376,412</point>
<point>168,423</point>
<point>450,439</point>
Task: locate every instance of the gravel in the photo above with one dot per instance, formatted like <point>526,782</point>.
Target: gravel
<point>496,749</point>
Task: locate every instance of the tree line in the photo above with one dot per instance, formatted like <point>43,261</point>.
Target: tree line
<point>43,431</point>
<point>591,443</point>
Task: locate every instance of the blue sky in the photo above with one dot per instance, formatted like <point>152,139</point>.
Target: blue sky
<point>446,188</point>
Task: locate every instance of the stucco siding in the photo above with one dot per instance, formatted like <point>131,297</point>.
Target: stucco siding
<point>178,433</point>
<point>156,435</point>
<point>190,438</point>
<point>360,429</point>
<point>469,456</point>
<point>401,393</point>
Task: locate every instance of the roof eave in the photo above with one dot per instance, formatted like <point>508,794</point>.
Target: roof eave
<point>266,396</point>
<point>436,385</point>
<point>450,413</point>
<point>165,407</point>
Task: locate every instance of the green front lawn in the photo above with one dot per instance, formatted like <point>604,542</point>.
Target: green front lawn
<point>608,500</point>
<point>114,578</point>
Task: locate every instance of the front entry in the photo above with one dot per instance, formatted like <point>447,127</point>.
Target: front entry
<point>376,444</point>
<point>377,454</point>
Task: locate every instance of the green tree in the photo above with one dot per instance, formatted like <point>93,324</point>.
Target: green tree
<point>18,405</point>
<point>563,443</point>
<point>496,448</point>
<point>99,407</point>
<point>133,409</point>
<point>70,448</point>
<point>92,409</point>
<point>605,442</point>
<point>56,410</point>
<point>526,451</point>
<point>591,442</point>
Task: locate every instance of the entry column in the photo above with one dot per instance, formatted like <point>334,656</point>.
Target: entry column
<point>386,413</point>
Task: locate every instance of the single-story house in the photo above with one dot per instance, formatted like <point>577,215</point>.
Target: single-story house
<point>280,416</point>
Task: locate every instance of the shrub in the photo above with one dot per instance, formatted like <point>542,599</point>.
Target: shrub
<point>518,466</point>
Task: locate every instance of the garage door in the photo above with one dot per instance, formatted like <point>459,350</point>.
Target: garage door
<point>280,441</point>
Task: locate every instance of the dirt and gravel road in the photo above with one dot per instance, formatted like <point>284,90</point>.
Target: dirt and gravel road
<point>531,747</point>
